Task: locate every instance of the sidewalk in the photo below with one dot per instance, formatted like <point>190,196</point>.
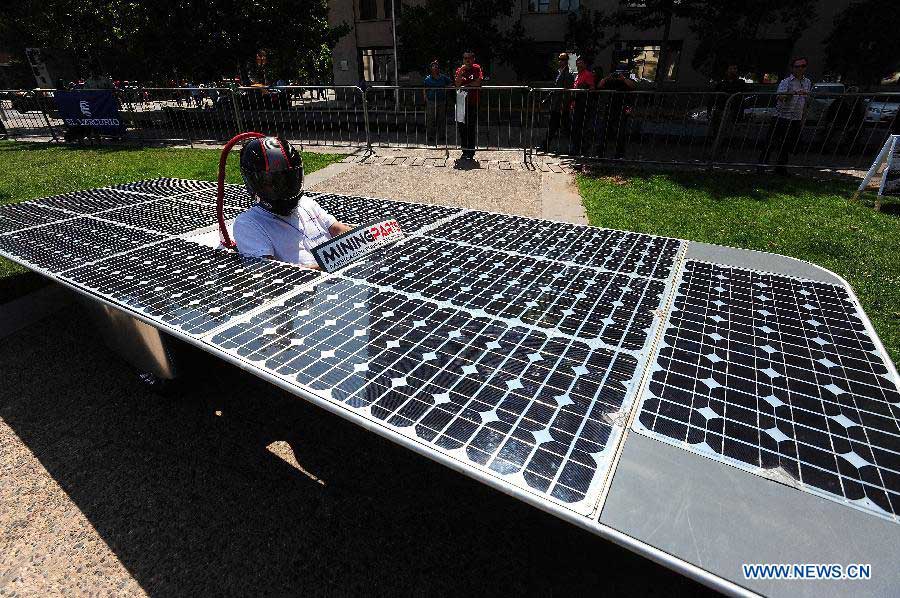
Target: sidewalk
<point>497,182</point>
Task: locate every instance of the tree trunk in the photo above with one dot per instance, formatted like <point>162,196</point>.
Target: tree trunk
<point>663,64</point>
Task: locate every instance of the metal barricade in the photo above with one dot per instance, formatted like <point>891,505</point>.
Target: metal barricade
<point>632,126</point>
<point>489,118</point>
<point>312,115</point>
<point>178,114</point>
<point>29,114</point>
<point>836,131</point>
<point>824,130</point>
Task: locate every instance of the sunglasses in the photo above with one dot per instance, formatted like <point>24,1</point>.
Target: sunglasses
<point>800,66</point>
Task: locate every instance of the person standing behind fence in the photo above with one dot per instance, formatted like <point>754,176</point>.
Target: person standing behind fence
<point>790,110</point>
<point>584,79</point>
<point>435,94</point>
<point>557,100</point>
<point>718,101</point>
<point>615,117</point>
<point>467,76</point>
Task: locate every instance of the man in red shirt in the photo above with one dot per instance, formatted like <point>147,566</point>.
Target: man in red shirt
<point>467,76</point>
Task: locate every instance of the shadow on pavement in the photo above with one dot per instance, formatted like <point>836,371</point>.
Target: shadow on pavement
<point>192,502</point>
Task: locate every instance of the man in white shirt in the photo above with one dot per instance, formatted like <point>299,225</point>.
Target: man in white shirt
<point>790,110</point>
<point>284,224</point>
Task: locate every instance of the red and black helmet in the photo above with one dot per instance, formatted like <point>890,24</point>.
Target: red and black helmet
<point>273,172</point>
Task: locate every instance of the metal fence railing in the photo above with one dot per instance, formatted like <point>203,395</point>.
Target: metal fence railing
<point>673,127</point>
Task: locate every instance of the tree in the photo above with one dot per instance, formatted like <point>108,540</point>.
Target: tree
<point>171,38</point>
<point>864,47</point>
<point>729,29</point>
<point>443,29</point>
<point>586,33</point>
<point>724,27</point>
<point>653,14</point>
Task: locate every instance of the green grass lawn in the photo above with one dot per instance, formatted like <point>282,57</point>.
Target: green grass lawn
<point>795,216</point>
<point>31,170</point>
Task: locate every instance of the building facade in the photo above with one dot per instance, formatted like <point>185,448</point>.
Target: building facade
<point>366,53</point>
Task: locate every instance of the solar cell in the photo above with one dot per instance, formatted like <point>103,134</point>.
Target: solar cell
<point>537,410</point>
<point>190,286</point>
<point>92,201</point>
<point>18,216</point>
<point>166,187</point>
<point>168,216</point>
<point>559,297</point>
<point>360,210</point>
<point>65,245</point>
<point>235,196</point>
<point>779,376</point>
<point>613,250</point>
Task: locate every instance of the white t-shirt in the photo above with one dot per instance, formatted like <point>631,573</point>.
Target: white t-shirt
<point>792,108</point>
<point>260,233</point>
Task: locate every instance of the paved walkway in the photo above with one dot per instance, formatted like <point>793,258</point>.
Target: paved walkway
<point>497,181</point>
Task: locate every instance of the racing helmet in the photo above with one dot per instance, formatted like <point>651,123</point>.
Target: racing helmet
<point>273,172</point>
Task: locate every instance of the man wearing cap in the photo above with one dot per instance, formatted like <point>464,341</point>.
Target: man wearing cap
<point>615,117</point>
<point>558,100</point>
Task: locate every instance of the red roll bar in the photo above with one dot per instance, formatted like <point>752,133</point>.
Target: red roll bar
<point>220,194</point>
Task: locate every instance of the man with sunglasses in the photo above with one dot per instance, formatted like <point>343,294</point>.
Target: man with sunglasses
<point>790,110</point>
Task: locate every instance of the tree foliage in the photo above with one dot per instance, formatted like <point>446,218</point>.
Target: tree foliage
<point>587,32</point>
<point>444,29</point>
<point>164,39</point>
<point>724,27</point>
<point>864,45</point>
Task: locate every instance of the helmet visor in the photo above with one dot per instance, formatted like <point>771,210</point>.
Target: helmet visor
<point>275,187</point>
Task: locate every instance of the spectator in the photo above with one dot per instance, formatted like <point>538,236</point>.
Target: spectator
<point>584,79</point>
<point>617,109</point>
<point>467,76</point>
<point>718,101</point>
<point>435,96</point>
<point>557,100</point>
<point>790,110</point>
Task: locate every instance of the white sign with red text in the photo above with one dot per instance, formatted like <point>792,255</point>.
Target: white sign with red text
<point>344,249</point>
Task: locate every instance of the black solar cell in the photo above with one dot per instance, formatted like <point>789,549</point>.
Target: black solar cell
<point>507,399</point>
<point>168,216</point>
<point>559,297</point>
<point>18,216</point>
<point>92,201</point>
<point>65,245</point>
<point>613,250</point>
<point>190,286</point>
<point>360,210</point>
<point>774,372</point>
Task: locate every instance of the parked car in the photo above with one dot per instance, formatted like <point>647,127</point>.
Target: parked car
<point>878,110</point>
<point>761,108</point>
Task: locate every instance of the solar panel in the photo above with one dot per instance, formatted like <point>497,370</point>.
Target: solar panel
<point>778,376</point>
<point>189,286</point>
<point>64,245</point>
<point>360,210</point>
<point>539,411</point>
<point>613,250</point>
<point>168,216</point>
<point>18,216</point>
<point>93,200</point>
<point>166,187</point>
<point>235,196</point>
<point>562,298</point>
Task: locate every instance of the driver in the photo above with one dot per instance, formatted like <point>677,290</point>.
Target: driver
<point>284,224</point>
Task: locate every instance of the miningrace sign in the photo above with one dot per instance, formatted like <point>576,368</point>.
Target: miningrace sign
<point>355,244</point>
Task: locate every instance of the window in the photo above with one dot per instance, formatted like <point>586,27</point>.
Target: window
<point>569,5</point>
<point>538,5</point>
<point>377,64</point>
<point>368,10</point>
<point>644,59</point>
